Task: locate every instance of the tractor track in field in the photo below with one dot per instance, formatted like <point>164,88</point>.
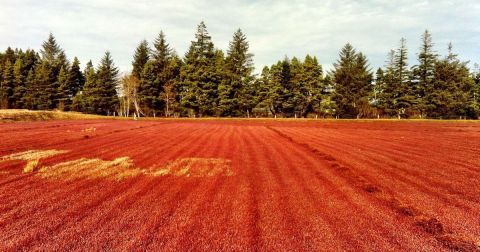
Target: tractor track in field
<point>427,223</point>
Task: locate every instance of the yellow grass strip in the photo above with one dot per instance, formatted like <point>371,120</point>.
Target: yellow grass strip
<point>32,157</point>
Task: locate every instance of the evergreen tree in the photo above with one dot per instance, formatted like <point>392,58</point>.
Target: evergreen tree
<point>452,88</point>
<point>28,99</point>
<point>30,61</point>
<point>20,88</point>
<point>170,94</point>
<point>325,105</point>
<point>424,73</point>
<point>299,89</point>
<point>235,91</point>
<point>76,80</point>
<point>156,76</point>
<point>353,83</point>
<point>106,86</point>
<point>284,78</point>
<point>312,80</point>
<point>51,50</point>
<point>43,91</point>
<point>6,86</point>
<point>140,58</point>
<point>404,96</point>
<point>63,92</point>
<point>85,99</point>
<point>272,87</point>
<point>267,95</point>
<point>161,53</point>
<point>53,60</point>
<point>199,74</point>
<point>390,88</point>
<point>379,88</point>
<point>148,90</point>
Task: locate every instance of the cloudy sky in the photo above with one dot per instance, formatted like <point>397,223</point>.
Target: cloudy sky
<point>275,28</point>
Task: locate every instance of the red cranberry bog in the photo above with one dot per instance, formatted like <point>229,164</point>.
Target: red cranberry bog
<point>240,185</point>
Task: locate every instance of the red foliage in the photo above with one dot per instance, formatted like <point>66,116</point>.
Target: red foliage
<point>309,186</point>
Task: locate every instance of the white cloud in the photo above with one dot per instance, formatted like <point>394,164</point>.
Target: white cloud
<point>274,28</point>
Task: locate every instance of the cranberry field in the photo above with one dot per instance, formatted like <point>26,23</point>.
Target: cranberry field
<point>240,185</point>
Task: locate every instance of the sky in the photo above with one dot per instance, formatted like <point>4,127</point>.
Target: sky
<point>274,28</point>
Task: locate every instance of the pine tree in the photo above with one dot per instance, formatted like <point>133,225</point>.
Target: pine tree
<point>325,105</point>
<point>43,92</point>
<point>235,91</point>
<point>30,61</point>
<point>199,75</point>
<point>53,60</point>
<point>148,90</point>
<point>76,80</point>
<point>390,89</point>
<point>140,58</point>
<point>85,99</point>
<point>162,53</point>
<point>452,88</point>
<point>424,73</point>
<point>275,86</point>
<point>379,88</point>
<point>270,91</point>
<point>20,88</point>
<point>314,86</point>
<point>7,86</point>
<point>404,96</point>
<point>28,99</point>
<point>51,50</point>
<point>298,88</point>
<point>106,86</point>
<point>353,83</point>
<point>170,94</point>
<point>157,76</point>
<point>474,108</point>
<point>63,92</point>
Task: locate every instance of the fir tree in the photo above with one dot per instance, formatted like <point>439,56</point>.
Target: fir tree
<point>353,82</point>
<point>76,80</point>
<point>170,94</point>
<point>404,96</point>
<point>63,92</point>
<point>424,73</point>
<point>43,92</point>
<point>452,88</point>
<point>315,87</point>
<point>140,58</point>
<point>148,90</point>
<point>379,88</point>
<point>162,53</point>
<point>20,88</point>
<point>106,86</point>
<point>235,91</point>
<point>199,74</point>
<point>7,86</point>
<point>28,99</point>
<point>266,94</point>
<point>51,50</point>
<point>85,100</point>
<point>156,76</point>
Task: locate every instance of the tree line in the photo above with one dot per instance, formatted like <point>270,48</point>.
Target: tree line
<point>207,81</point>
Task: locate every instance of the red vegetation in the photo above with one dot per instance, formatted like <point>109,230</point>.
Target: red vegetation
<point>240,185</point>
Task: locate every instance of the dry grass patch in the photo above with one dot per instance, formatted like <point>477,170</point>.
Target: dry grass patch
<point>32,157</point>
<point>196,167</point>
<point>9,115</point>
<point>117,169</point>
